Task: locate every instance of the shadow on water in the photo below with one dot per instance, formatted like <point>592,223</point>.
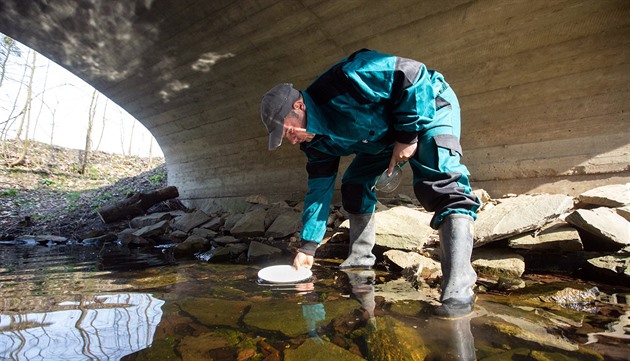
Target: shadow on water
<point>110,303</point>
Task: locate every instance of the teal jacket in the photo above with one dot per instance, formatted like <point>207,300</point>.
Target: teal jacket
<point>364,103</point>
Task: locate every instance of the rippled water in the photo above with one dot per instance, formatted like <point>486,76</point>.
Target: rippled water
<point>110,303</point>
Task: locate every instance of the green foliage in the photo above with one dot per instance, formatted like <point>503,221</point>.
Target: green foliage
<point>9,193</point>
<point>47,182</point>
<point>157,178</point>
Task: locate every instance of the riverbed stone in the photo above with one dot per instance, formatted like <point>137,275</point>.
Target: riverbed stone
<point>319,350</point>
<point>393,340</point>
<point>614,267</point>
<point>203,232</point>
<point>614,195</point>
<point>557,236</point>
<point>190,220</point>
<point>214,224</point>
<point>44,238</point>
<point>192,244</point>
<point>152,230</point>
<point>252,224</point>
<point>402,259</point>
<point>520,214</point>
<point>605,224</point>
<point>258,252</point>
<point>495,263</point>
<point>288,318</point>
<point>149,219</point>
<point>257,199</point>
<point>223,240</point>
<point>215,312</point>
<point>422,267</point>
<point>401,228</point>
<point>624,212</point>
<point>285,224</point>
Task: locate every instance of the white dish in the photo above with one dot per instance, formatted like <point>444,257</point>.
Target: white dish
<point>284,274</point>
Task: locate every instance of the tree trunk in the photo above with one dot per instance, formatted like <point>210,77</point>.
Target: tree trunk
<point>136,204</point>
<point>88,136</point>
<point>27,115</point>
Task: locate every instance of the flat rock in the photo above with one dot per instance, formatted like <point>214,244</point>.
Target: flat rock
<point>614,195</point>
<point>252,224</point>
<point>285,224</point>
<point>614,266</point>
<point>149,219</point>
<point>191,220</point>
<point>257,199</point>
<point>43,238</point>
<point>400,228</point>
<point>152,230</point>
<point>518,215</point>
<point>289,318</point>
<point>214,224</point>
<point>394,340</point>
<point>605,224</point>
<point>624,212</point>
<point>192,244</point>
<point>498,263</point>
<point>320,350</point>
<point>212,312</point>
<point>557,237</point>
<point>259,251</point>
<point>225,240</point>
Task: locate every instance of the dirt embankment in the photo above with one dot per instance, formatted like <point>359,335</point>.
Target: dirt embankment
<point>47,195</point>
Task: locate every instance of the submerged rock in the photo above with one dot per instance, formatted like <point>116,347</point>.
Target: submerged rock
<point>319,350</point>
<point>392,340</point>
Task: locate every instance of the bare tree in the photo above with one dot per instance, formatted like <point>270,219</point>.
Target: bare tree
<point>26,116</point>
<point>88,136</point>
<point>133,126</point>
<point>100,139</point>
<point>8,47</point>
<point>42,103</point>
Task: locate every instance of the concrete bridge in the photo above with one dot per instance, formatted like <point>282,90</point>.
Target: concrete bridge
<point>544,85</point>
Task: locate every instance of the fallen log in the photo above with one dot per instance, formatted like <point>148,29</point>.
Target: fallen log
<point>136,204</point>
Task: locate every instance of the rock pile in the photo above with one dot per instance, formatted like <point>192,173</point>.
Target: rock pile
<point>587,236</point>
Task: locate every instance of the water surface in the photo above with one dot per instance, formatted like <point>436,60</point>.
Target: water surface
<point>112,303</point>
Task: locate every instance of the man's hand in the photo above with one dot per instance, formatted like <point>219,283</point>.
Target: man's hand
<point>402,152</point>
<point>302,260</point>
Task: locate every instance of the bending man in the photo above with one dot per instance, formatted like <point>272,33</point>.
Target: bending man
<point>385,110</point>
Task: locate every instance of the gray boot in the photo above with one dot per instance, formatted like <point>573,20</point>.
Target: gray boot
<point>458,276</point>
<point>362,240</point>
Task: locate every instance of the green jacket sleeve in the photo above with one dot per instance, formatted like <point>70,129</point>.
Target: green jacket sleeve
<point>322,172</point>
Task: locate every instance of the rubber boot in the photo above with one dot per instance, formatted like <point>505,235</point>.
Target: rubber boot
<point>362,282</point>
<point>362,240</point>
<point>458,276</point>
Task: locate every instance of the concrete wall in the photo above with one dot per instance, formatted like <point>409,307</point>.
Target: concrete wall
<point>544,85</point>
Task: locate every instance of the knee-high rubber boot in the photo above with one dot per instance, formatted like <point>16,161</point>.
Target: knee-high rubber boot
<point>458,276</point>
<point>362,240</point>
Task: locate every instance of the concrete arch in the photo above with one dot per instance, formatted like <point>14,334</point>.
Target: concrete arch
<point>544,85</point>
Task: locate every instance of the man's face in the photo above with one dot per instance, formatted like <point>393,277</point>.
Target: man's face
<point>295,127</point>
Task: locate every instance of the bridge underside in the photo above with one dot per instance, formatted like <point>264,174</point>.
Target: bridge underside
<point>544,85</point>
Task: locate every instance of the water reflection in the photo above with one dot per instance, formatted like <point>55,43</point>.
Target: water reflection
<point>105,327</point>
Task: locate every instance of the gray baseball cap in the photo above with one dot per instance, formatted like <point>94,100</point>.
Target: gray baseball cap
<point>275,105</point>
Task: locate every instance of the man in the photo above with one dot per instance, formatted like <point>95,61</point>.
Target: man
<point>385,110</point>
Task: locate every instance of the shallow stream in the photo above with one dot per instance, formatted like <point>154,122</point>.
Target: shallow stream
<point>110,303</point>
